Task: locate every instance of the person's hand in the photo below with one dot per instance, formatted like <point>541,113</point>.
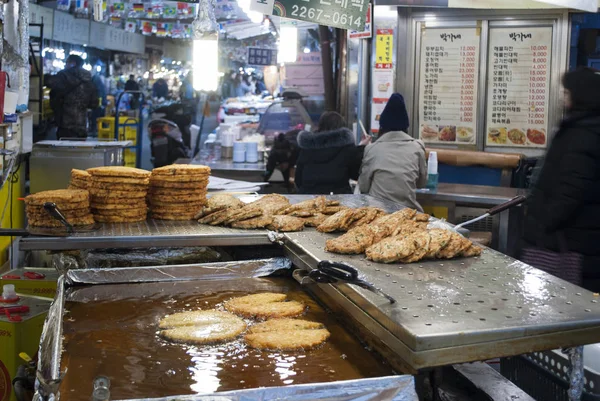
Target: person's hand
<point>365,140</point>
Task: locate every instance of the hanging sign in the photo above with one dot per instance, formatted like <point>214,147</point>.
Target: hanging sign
<point>518,86</point>
<point>257,56</point>
<point>344,14</point>
<point>448,85</point>
<point>384,48</point>
<point>368,31</point>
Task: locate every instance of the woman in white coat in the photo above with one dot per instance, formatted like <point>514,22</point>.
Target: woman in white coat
<point>394,166</point>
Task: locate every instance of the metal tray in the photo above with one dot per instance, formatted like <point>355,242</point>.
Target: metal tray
<point>163,233</point>
<point>149,233</point>
<point>460,310</point>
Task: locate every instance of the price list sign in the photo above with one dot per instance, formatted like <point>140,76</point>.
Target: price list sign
<point>518,87</point>
<point>448,85</point>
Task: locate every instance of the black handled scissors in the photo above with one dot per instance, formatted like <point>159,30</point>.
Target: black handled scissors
<point>329,272</point>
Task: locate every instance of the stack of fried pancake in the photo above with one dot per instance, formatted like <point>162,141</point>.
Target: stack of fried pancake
<point>402,237</point>
<point>178,191</point>
<point>118,194</point>
<point>73,203</point>
<point>80,179</point>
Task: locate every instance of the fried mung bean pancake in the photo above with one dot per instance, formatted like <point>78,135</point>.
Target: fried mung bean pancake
<point>439,240</point>
<point>338,221</point>
<point>354,242</point>
<point>75,221</point>
<point>264,306</point>
<point>371,214</point>
<point>118,171</point>
<point>43,214</point>
<point>182,169</point>
<point>201,327</point>
<point>471,251</point>
<point>286,224</point>
<point>63,196</point>
<point>198,185</point>
<point>118,219</point>
<point>392,249</point>
<point>256,222</point>
<point>422,240</point>
<point>126,195</point>
<point>286,335</point>
<point>455,247</point>
<point>121,180</point>
<point>139,204</point>
<point>288,341</point>
<point>315,220</point>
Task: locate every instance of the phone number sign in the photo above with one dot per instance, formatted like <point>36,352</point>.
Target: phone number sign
<point>344,14</point>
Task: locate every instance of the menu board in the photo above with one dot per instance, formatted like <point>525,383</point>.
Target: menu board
<point>448,85</point>
<point>518,87</point>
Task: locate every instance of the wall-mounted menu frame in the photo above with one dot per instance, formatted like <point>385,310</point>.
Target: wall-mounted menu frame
<point>518,86</point>
<point>412,23</point>
<point>448,85</point>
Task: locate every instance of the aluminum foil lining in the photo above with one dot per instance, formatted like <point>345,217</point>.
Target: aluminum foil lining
<point>391,388</point>
<point>209,271</point>
<point>110,258</point>
<point>48,371</point>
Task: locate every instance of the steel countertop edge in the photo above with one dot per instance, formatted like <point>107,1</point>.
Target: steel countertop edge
<point>463,310</point>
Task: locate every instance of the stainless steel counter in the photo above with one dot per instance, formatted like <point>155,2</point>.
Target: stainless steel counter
<point>469,195</point>
<point>459,310</point>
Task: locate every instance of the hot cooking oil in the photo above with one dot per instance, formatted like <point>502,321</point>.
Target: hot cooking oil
<point>21,325</point>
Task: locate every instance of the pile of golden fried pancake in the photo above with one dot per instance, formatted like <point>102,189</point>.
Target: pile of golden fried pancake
<point>74,204</point>
<point>178,192</point>
<point>118,194</point>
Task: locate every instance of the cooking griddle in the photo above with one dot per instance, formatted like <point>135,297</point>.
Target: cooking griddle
<point>164,233</point>
<point>461,310</point>
<point>110,329</point>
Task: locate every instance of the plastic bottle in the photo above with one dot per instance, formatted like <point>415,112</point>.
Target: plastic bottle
<point>432,172</point>
<point>217,150</point>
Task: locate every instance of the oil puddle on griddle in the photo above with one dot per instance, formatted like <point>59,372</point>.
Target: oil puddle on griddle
<point>111,330</point>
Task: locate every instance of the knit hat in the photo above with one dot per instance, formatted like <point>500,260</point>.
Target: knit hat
<point>394,116</point>
<point>584,86</point>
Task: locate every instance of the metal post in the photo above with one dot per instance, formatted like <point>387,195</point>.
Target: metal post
<point>327,68</point>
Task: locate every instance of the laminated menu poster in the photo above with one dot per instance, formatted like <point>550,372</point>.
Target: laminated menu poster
<point>518,87</point>
<point>448,85</point>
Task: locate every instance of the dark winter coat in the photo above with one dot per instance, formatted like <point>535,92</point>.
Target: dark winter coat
<point>71,95</point>
<point>564,205</point>
<point>327,161</point>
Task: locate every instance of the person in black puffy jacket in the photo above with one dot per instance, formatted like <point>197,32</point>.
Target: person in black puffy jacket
<point>328,158</point>
<point>563,213</point>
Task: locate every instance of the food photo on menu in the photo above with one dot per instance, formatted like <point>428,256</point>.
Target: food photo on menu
<point>429,133</point>
<point>536,137</point>
<point>516,136</point>
<point>447,134</point>
<point>497,136</point>
<point>465,135</point>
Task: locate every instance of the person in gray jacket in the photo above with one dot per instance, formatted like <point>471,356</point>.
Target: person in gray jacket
<point>394,166</point>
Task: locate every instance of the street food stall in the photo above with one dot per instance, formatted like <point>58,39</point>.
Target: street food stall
<point>411,318</point>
